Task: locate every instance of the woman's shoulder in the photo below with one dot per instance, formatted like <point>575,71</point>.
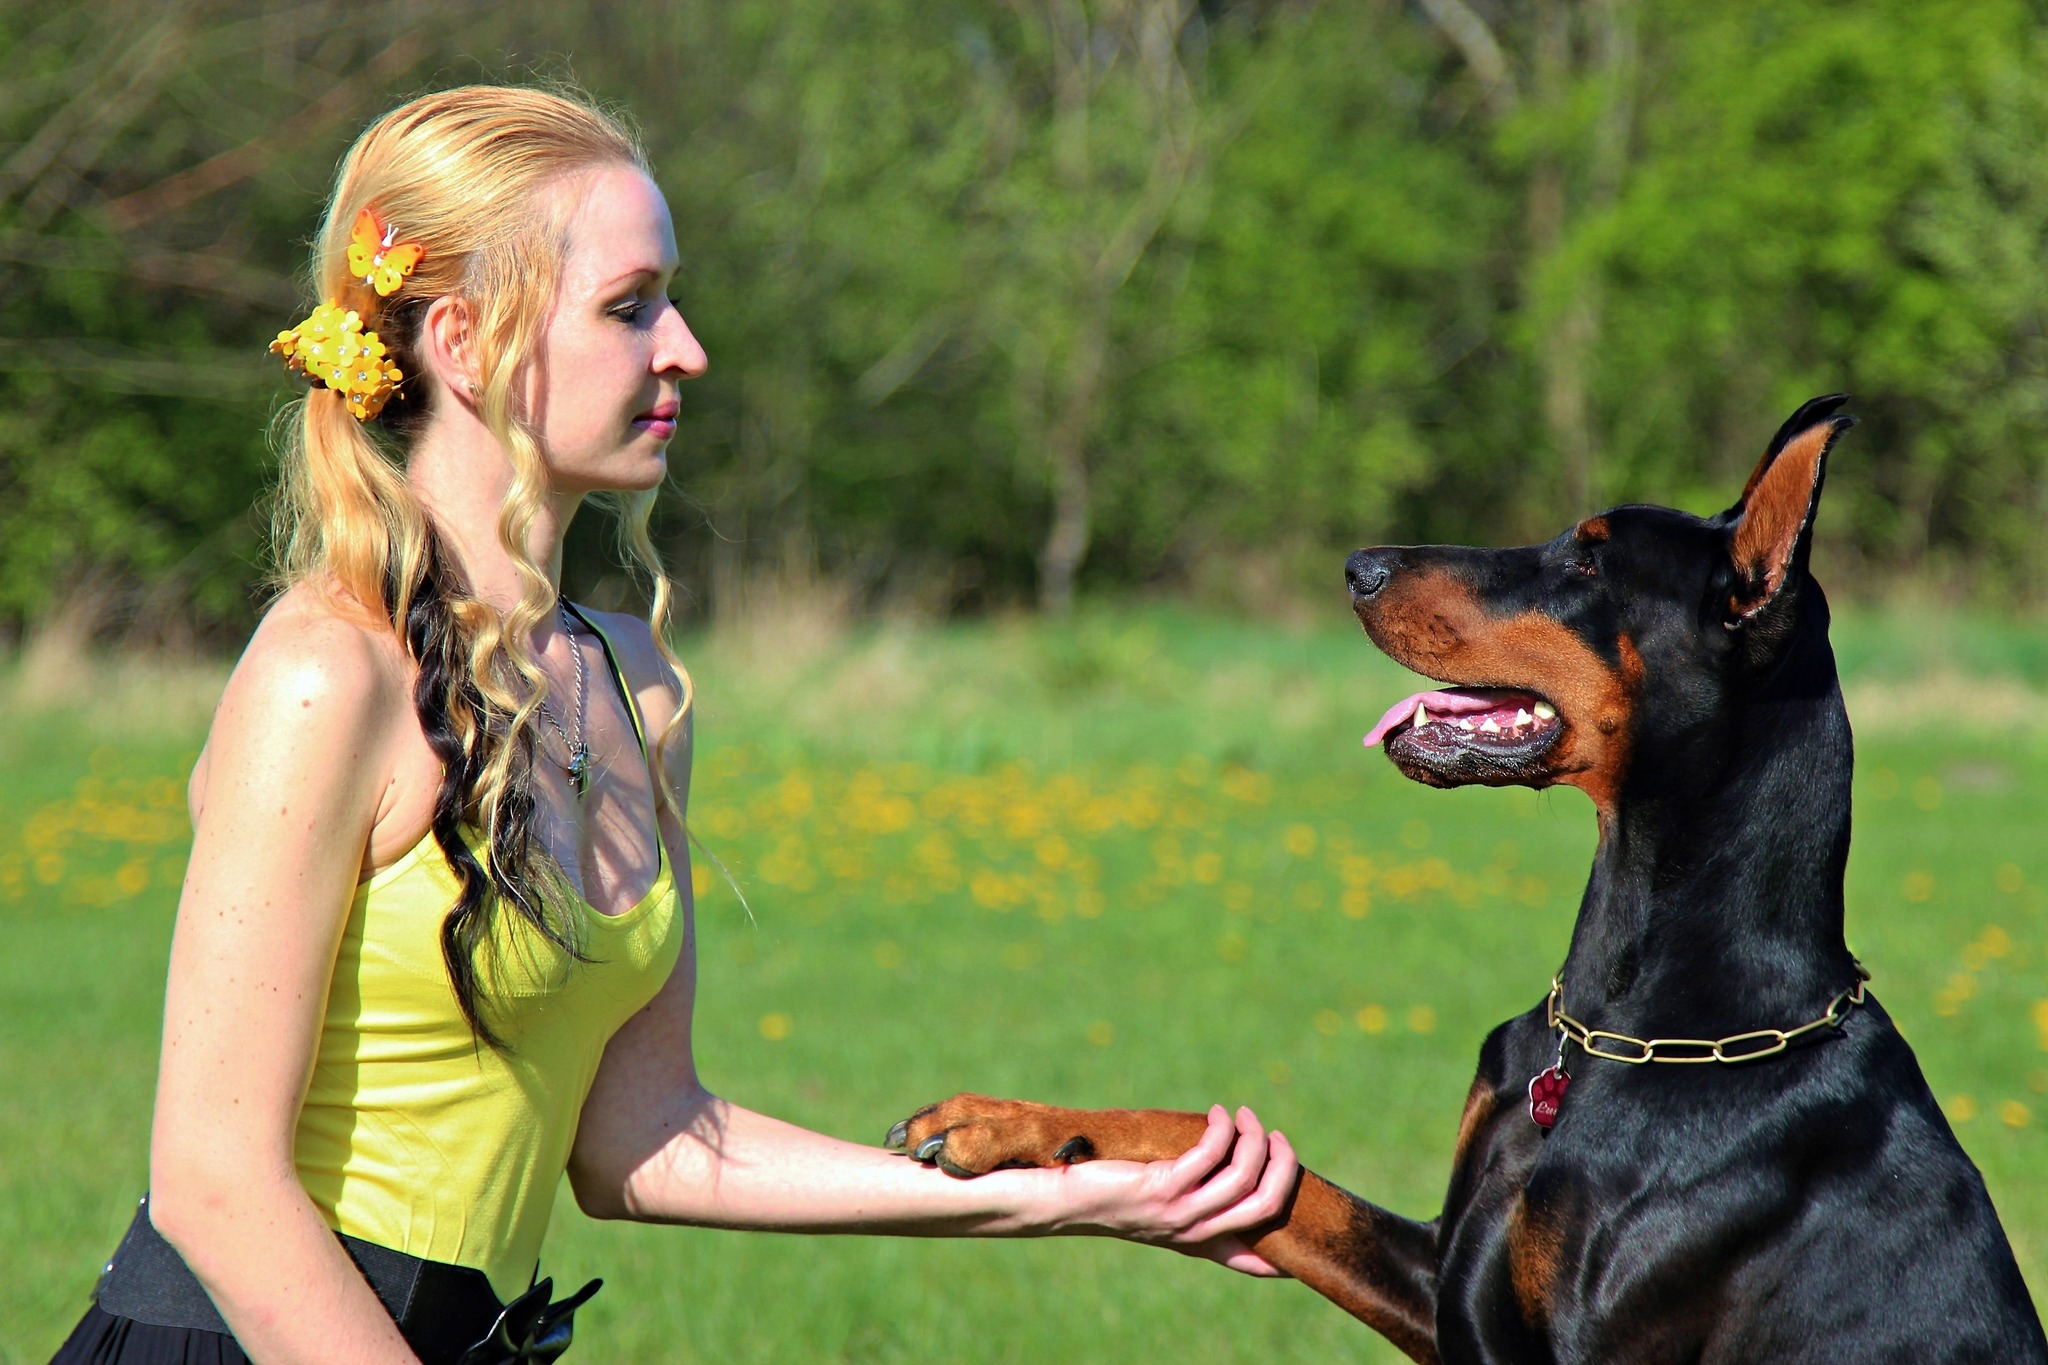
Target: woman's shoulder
<point>649,672</point>
<point>632,640</point>
<point>318,647</point>
<point>317,676</point>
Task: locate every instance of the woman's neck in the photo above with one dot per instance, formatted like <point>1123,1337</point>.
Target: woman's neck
<point>463,478</point>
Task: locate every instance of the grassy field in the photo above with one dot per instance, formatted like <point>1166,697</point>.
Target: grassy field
<point>1138,859</point>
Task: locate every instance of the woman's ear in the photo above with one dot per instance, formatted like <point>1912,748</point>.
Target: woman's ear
<point>447,347</point>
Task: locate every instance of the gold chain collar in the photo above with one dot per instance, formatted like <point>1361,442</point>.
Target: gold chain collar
<point>1748,1047</point>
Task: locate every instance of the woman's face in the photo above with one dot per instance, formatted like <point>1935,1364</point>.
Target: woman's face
<point>616,350</point>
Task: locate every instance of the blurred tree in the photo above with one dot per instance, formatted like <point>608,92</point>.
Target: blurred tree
<point>158,161</point>
<point>1006,298</point>
<point>1829,197</point>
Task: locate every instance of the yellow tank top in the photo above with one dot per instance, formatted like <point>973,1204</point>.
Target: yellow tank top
<point>416,1136</point>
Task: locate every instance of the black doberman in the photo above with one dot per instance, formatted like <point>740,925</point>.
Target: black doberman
<point>1796,1195</point>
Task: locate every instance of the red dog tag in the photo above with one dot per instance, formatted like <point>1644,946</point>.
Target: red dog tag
<point>1546,1093</point>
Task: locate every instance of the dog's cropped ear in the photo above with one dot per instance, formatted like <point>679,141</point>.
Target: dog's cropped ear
<point>1772,526</point>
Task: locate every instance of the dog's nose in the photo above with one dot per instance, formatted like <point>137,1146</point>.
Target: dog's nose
<point>1366,573</point>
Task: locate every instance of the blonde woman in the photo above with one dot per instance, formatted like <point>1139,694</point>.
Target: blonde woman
<point>434,947</point>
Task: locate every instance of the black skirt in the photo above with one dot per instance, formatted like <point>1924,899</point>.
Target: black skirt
<point>103,1339</point>
<point>149,1309</point>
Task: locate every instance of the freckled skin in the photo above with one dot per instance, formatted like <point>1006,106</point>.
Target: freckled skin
<point>1810,1207</point>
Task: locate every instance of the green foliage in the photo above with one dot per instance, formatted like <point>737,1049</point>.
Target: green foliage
<point>1190,283</point>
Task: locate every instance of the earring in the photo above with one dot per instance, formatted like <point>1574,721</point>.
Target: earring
<point>476,390</point>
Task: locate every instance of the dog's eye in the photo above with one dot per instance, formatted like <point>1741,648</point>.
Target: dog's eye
<point>1582,568</point>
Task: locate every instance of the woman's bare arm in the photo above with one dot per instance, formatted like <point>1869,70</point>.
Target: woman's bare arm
<point>294,770</point>
<point>654,1145</point>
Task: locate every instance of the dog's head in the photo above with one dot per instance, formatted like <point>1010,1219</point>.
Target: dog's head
<point>1557,659</point>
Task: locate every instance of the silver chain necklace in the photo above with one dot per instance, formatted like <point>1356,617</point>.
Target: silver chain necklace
<point>578,766</point>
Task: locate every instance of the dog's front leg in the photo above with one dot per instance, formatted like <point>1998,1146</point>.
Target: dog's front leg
<point>1377,1266</point>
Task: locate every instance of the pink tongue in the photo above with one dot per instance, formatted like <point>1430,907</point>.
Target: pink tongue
<point>1464,701</point>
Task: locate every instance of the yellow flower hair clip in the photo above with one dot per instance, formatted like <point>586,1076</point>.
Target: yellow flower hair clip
<point>333,348</point>
<point>374,260</point>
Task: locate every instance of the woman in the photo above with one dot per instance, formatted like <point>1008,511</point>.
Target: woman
<point>434,944</point>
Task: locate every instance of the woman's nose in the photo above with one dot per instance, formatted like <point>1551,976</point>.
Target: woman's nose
<point>679,349</point>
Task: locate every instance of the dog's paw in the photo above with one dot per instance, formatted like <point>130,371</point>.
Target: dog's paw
<point>971,1135</point>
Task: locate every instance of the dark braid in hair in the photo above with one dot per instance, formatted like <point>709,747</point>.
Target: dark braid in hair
<point>462,726</point>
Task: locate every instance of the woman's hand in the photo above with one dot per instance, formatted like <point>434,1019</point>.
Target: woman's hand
<point>1199,1203</point>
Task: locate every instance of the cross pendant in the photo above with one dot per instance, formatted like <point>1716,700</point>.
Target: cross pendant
<point>579,769</point>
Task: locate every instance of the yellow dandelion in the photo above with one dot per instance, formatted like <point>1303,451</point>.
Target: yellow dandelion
<point>2013,1114</point>
<point>990,889</point>
<point>1422,1019</point>
<point>1961,1108</point>
<point>1300,840</point>
<point>775,1026</point>
<point>1372,1019</point>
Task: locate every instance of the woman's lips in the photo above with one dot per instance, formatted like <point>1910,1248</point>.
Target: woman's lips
<point>660,421</point>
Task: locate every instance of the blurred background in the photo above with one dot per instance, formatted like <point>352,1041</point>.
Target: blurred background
<point>1007,301</point>
<point>1059,351</point>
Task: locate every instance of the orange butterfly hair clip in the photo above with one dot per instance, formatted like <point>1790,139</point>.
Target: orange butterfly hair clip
<point>375,259</point>
<point>334,346</point>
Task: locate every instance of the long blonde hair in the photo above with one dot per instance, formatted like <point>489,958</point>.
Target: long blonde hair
<point>468,174</point>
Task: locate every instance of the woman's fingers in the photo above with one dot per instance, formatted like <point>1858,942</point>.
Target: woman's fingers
<point>1237,1179</point>
<point>1193,1166</point>
<point>1263,1203</point>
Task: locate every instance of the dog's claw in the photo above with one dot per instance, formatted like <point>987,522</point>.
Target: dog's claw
<point>899,1135</point>
<point>958,1172</point>
<point>1075,1149</point>
<point>930,1147</point>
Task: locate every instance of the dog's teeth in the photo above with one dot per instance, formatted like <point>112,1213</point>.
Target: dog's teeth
<point>1421,716</point>
<point>1465,723</point>
<point>1489,726</point>
<point>1545,711</point>
<point>1521,718</point>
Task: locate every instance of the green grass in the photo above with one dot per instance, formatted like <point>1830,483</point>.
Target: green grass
<point>1140,859</point>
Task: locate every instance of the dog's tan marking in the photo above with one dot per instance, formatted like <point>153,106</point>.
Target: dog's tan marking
<point>1478,1109</point>
<point>1535,1255</point>
<point>1775,507</point>
<point>1430,620</point>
